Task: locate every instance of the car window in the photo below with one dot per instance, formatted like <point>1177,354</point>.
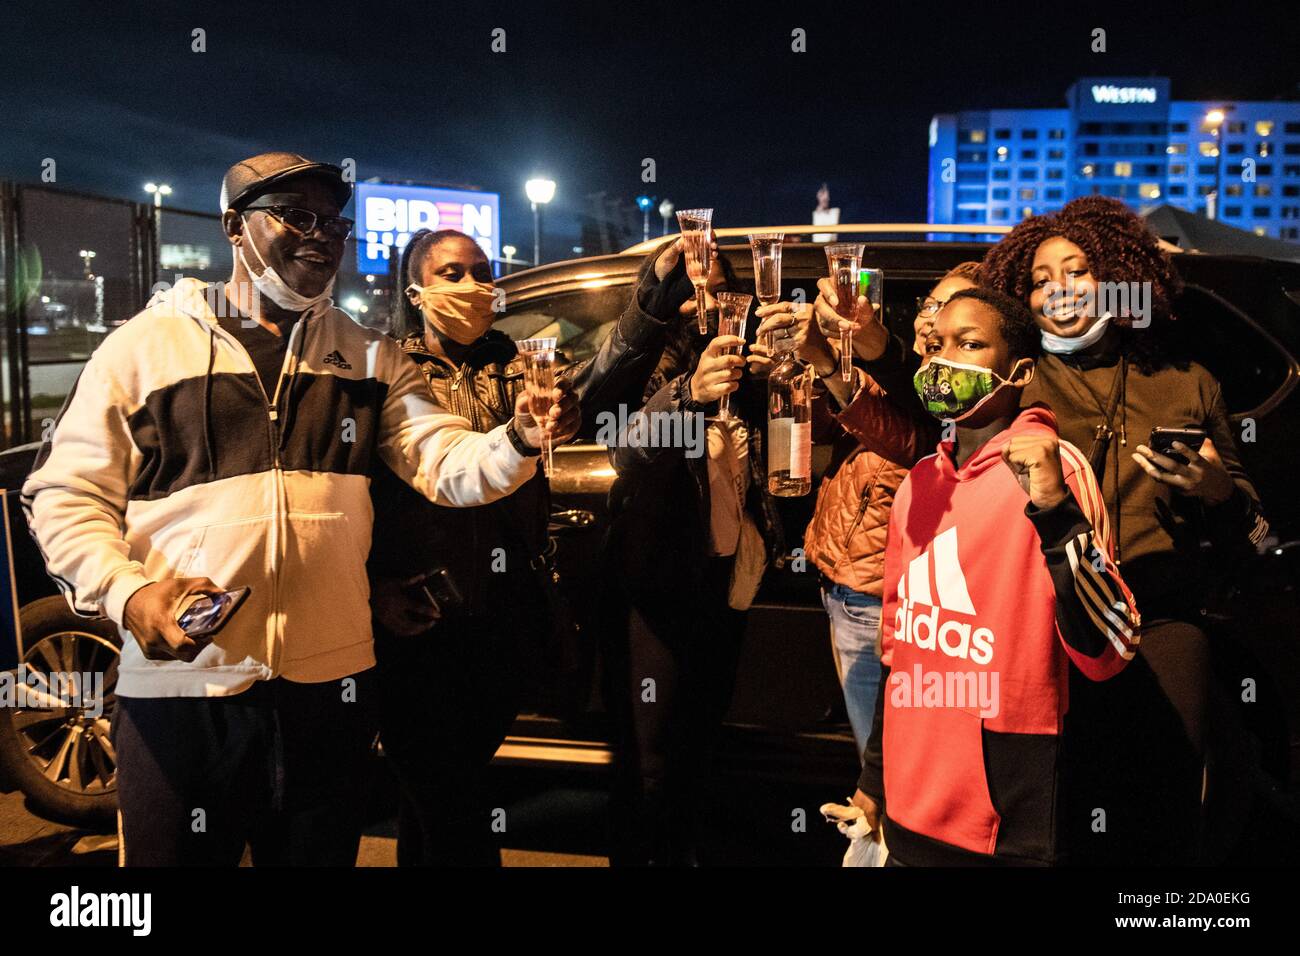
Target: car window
<point>1246,361</point>
<point>580,319</point>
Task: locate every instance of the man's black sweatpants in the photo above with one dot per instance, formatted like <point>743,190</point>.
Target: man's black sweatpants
<point>281,767</point>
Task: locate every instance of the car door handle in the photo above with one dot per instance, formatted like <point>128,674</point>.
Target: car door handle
<point>574,518</point>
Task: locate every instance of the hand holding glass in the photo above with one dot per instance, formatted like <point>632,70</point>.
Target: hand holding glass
<point>843,260</point>
<point>539,382</point>
<point>733,310</point>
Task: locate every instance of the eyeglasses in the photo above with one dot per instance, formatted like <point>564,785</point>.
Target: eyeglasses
<point>304,222</point>
<point>929,307</point>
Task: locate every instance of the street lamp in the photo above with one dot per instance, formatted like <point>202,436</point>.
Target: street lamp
<point>158,192</point>
<point>644,203</point>
<point>508,256</point>
<point>86,256</point>
<point>666,209</point>
<point>539,192</point>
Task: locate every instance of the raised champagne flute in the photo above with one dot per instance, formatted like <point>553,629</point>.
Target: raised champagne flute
<point>733,311</point>
<point>766,248</point>
<point>539,382</point>
<point>696,225</point>
<point>844,259</point>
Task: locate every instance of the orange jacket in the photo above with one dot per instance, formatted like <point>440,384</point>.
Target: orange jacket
<point>846,537</point>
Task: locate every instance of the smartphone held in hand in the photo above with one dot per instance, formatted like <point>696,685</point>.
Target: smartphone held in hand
<point>209,614</point>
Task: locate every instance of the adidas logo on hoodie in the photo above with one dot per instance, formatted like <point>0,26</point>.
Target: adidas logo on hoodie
<point>941,590</point>
<point>336,359</point>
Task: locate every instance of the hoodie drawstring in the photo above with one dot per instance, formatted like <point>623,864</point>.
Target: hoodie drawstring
<point>207,406</point>
<point>293,377</point>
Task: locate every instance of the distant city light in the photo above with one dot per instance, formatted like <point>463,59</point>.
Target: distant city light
<point>540,190</point>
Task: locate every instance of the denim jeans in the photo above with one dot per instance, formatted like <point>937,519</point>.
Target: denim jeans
<point>855,625</point>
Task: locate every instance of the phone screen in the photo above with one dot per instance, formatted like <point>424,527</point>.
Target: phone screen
<point>209,613</point>
<point>204,612</point>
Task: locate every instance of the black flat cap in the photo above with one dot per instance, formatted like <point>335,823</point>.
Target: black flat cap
<point>250,178</point>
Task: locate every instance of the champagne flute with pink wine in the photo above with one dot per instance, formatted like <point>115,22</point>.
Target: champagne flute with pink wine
<point>539,382</point>
<point>733,310</point>
<point>766,248</point>
<point>696,225</point>
<point>843,260</point>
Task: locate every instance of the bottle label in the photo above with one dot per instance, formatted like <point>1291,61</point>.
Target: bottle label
<point>800,438</point>
<point>778,444</point>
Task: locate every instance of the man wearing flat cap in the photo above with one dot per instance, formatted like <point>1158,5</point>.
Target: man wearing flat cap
<point>223,440</point>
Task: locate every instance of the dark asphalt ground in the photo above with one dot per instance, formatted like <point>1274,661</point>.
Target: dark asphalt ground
<point>554,819</point>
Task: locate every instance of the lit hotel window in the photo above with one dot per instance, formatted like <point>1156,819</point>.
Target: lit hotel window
<point>1027,195</point>
<point>977,136</point>
<point>1262,148</point>
<point>1002,154</point>
<point>1026,212</point>
<point>1123,169</point>
<point>1149,190</point>
<point>1087,171</point>
<point>1177,169</point>
<point>1208,147</point>
<point>1232,190</point>
<point>1263,189</point>
<point>1176,149</point>
<point>1261,231</point>
<point>1263,127</point>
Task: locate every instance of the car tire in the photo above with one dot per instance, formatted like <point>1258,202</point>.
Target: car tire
<point>61,758</point>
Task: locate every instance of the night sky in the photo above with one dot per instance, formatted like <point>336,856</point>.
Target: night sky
<point>730,115</point>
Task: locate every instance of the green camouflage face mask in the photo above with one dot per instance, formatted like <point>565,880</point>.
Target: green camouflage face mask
<point>952,391</point>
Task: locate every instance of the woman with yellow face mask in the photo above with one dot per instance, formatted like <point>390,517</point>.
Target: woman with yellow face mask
<point>463,599</point>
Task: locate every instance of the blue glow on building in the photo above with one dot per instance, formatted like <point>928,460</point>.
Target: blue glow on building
<point>1122,137</point>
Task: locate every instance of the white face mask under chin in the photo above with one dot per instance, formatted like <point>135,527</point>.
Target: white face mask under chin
<point>1060,345</point>
<point>271,285</point>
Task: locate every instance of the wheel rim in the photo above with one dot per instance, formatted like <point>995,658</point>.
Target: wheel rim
<point>69,744</point>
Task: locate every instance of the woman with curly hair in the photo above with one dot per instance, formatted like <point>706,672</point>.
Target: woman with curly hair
<point>1101,290</point>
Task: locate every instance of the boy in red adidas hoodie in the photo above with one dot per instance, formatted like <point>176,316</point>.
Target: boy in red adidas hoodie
<point>997,575</point>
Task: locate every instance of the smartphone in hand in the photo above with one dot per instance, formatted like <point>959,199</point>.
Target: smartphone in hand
<point>1162,441</point>
<point>209,614</point>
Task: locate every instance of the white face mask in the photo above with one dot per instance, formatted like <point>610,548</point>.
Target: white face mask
<point>1060,345</point>
<point>271,285</point>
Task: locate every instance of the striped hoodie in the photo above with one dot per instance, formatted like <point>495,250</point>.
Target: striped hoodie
<point>170,460</point>
<point>988,600</point>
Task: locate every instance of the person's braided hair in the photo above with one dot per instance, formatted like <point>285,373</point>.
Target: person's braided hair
<point>970,271</point>
<point>1119,248</point>
<point>405,318</point>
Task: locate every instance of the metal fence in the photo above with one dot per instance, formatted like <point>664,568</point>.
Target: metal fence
<point>73,267</point>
